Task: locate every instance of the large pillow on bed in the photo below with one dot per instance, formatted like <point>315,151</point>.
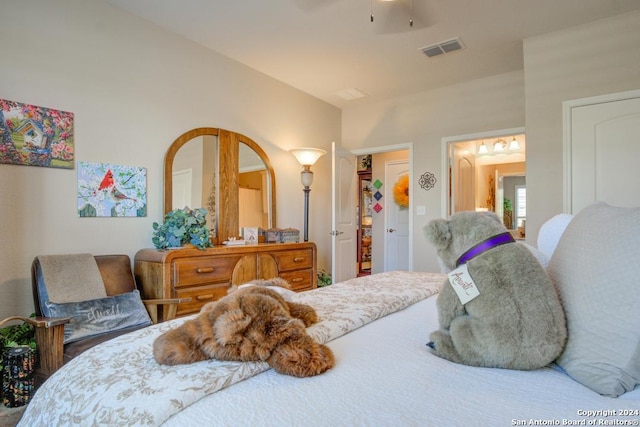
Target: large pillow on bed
<point>596,268</point>
<point>98,316</point>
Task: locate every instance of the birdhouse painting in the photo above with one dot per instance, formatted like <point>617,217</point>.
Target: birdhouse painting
<point>35,136</point>
<point>108,190</point>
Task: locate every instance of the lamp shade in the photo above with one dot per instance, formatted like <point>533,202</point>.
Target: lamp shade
<point>307,156</point>
<point>514,145</point>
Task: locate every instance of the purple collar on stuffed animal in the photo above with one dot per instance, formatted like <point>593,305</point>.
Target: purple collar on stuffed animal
<point>485,245</point>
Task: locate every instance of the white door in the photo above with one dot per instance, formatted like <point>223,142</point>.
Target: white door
<point>343,218</point>
<point>396,244</point>
<point>602,151</point>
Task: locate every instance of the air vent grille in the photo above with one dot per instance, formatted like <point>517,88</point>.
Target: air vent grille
<point>446,46</point>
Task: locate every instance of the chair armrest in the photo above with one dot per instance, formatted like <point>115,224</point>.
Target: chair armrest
<point>49,333</point>
<point>171,303</point>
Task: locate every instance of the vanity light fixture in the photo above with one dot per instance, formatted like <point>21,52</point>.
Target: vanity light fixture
<point>307,158</point>
<point>514,145</point>
<point>483,149</point>
<point>499,146</point>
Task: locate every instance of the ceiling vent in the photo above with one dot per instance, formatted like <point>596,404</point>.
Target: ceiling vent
<point>443,47</point>
<point>351,94</point>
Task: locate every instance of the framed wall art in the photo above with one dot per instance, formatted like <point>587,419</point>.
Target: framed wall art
<point>108,190</point>
<point>35,136</point>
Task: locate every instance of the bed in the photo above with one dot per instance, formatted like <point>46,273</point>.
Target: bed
<point>377,327</point>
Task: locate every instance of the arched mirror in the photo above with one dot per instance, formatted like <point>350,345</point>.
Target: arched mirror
<point>225,172</point>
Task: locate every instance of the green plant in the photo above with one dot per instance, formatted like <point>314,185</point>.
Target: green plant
<point>324,278</point>
<point>15,336</point>
<point>182,226</point>
<point>507,205</point>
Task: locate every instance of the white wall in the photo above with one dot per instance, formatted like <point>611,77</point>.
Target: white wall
<point>579,62</point>
<point>424,119</point>
<point>134,88</point>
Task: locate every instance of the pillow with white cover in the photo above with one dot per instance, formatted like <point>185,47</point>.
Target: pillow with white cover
<point>596,269</point>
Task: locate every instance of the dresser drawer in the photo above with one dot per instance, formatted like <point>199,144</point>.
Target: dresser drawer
<point>293,259</point>
<point>202,270</point>
<point>200,295</point>
<point>300,280</point>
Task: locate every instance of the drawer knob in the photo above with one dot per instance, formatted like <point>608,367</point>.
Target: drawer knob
<point>298,259</point>
<point>204,297</point>
<point>297,279</point>
<point>205,270</point>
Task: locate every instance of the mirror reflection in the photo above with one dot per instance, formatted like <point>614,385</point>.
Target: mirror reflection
<point>253,194</point>
<point>194,175</point>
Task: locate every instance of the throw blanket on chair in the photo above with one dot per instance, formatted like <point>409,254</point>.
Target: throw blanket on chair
<point>71,278</point>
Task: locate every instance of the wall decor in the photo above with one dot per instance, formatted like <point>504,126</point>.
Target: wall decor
<point>377,207</point>
<point>377,184</point>
<point>108,190</point>
<point>364,162</point>
<point>401,191</point>
<point>427,181</point>
<point>35,136</point>
<point>378,195</point>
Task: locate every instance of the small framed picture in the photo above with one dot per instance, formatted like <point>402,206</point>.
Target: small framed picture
<point>250,235</point>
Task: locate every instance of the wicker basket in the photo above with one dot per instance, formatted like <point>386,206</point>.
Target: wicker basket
<point>273,235</point>
<point>289,235</point>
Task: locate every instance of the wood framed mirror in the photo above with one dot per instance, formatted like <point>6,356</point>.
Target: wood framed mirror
<point>203,167</point>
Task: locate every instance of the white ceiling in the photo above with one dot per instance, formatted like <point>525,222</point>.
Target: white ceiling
<point>324,47</point>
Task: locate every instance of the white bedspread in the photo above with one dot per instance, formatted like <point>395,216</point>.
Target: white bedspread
<point>386,376</point>
<point>119,383</point>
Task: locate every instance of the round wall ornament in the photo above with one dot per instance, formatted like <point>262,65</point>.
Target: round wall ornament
<point>427,181</point>
<point>401,191</point>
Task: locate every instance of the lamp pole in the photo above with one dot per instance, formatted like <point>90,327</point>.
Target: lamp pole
<point>306,190</point>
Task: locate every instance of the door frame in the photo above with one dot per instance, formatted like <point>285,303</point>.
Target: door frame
<point>567,107</point>
<point>397,147</point>
<point>446,161</point>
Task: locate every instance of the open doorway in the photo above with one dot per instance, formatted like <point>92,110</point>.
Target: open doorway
<point>487,172</point>
<point>384,240</point>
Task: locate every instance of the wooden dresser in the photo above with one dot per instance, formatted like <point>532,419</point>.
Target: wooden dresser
<point>206,275</point>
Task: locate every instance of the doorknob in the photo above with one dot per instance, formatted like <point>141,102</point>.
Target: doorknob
<point>391,230</point>
<point>336,233</point>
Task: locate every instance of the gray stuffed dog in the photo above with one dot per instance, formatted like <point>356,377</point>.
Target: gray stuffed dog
<point>512,316</point>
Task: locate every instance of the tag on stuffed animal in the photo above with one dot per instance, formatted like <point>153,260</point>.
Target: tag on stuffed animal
<point>463,284</point>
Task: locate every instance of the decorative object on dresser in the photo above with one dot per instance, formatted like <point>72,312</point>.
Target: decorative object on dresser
<point>180,227</point>
<point>85,300</point>
<point>206,275</point>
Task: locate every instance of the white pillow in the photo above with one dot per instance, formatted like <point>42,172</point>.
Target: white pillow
<point>596,268</point>
<point>551,231</point>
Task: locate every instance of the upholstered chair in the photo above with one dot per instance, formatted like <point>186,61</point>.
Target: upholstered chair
<point>82,300</point>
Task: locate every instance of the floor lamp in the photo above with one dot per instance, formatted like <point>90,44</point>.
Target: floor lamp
<point>307,157</point>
